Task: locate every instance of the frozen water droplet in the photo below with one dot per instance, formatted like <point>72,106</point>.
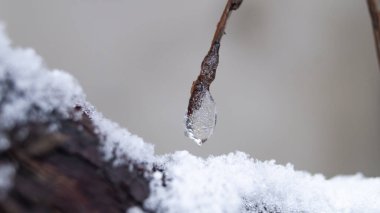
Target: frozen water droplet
<point>201,123</point>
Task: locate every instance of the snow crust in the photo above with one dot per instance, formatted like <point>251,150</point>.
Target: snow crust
<point>238,183</point>
<point>30,92</point>
<point>228,183</point>
<point>120,143</point>
<point>7,172</point>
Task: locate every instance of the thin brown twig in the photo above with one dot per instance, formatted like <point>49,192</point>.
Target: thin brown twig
<point>211,60</point>
<point>219,32</point>
<point>374,12</point>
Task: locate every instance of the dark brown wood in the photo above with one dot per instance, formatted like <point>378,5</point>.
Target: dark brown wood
<point>219,32</point>
<point>64,171</point>
<point>211,60</point>
<point>373,7</point>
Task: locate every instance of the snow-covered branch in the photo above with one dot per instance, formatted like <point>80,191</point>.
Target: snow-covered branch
<point>59,154</point>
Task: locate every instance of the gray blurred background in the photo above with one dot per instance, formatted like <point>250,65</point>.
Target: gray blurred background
<point>298,80</point>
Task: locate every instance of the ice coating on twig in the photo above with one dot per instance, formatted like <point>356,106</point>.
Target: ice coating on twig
<point>201,112</point>
<point>200,124</point>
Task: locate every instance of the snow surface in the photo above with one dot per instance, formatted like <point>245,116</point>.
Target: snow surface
<point>238,183</point>
<point>7,172</point>
<point>228,183</point>
<point>30,92</point>
<point>119,142</point>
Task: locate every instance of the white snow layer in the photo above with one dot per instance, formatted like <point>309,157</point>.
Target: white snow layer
<point>227,183</point>
<point>7,172</point>
<point>238,183</point>
<point>30,92</point>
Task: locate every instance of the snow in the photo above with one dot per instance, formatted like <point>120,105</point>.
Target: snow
<point>228,183</point>
<point>30,92</point>
<point>238,183</point>
<point>7,172</point>
<point>120,143</point>
<point>35,87</point>
<point>135,210</point>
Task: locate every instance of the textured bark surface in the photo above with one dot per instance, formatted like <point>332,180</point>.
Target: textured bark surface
<point>374,12</point>
<point>211,60</point>
<point>62,170</point>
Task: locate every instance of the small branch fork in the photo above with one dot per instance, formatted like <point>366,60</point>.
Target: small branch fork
<point>373,7</point>
<point>211,61</point>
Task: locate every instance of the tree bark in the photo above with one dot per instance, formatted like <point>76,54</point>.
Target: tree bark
<point>63,171</point>
<point>373,7</point>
